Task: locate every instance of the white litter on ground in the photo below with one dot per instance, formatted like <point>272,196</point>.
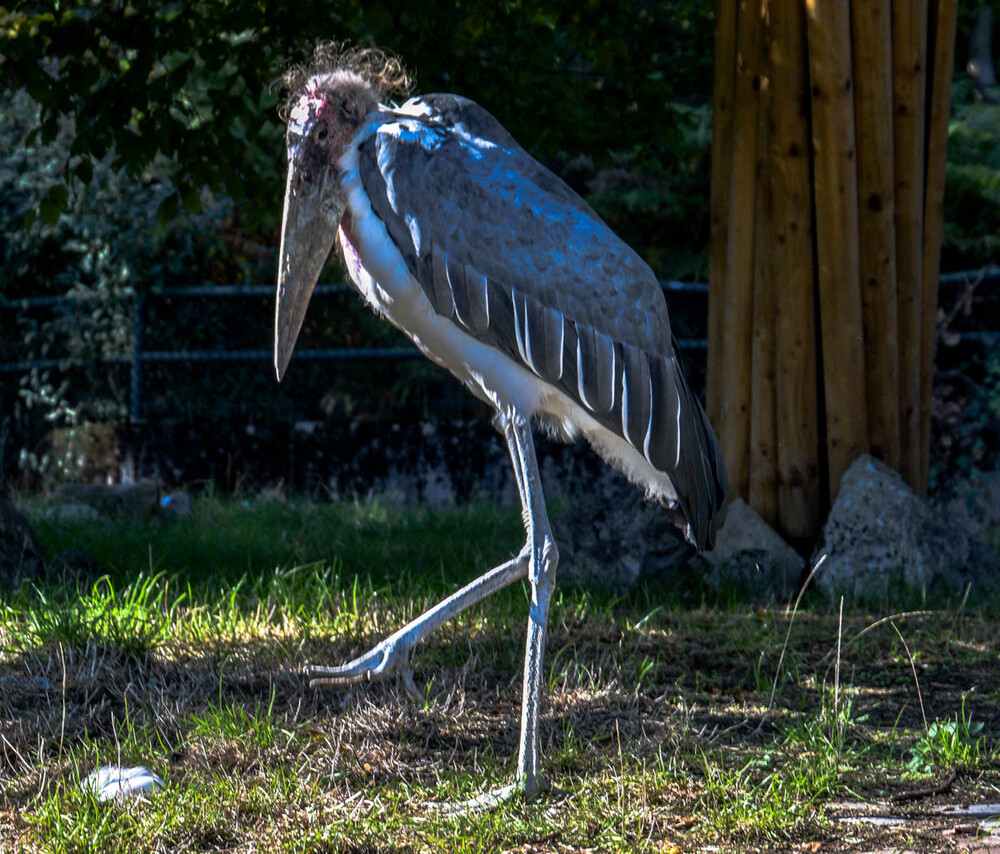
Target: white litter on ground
<point>113,782</point>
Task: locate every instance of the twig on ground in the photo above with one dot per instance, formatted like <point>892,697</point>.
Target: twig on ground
<point>929,791</point>
<point>897,616</point>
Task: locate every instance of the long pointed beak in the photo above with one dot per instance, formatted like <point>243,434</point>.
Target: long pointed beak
<point>308,229</point>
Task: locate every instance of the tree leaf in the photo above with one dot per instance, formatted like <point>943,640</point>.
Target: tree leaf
<point>167,210</point>
<point>191,198</point>
<point>84,170</point>
<point>54,203</point>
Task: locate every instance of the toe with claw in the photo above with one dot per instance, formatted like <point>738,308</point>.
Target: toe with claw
<point>527,790</point>
<point>389,658</point>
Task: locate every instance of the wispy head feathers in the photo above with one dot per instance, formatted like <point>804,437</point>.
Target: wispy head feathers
<point>383,72</point>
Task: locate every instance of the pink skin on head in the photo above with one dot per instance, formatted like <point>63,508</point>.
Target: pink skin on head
<point>317,112</point>
<point>331,108</point>
<point>309,105</point>
<point>316,100</point>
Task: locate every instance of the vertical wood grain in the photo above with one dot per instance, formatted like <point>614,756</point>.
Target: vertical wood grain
<point>722,163</point>
<point>796,421</point>
<point>871,31</point>
<point>836,193</point>
<point>944,14</point>
<point>909,57</point>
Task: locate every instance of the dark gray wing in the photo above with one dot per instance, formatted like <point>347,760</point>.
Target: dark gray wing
<point>508,251</point>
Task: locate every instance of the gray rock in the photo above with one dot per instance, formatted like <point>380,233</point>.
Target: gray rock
<point>752,559</point>
<point>73,511</point>
<point>881,539</point>
<point>131,501</point>
<point>610,537</point>
<point>175,505</point>
<point>21,555</point>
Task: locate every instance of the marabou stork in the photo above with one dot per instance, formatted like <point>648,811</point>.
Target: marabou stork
<point>502,274</point>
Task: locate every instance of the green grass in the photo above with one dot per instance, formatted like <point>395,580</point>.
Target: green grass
<point>185,657</point>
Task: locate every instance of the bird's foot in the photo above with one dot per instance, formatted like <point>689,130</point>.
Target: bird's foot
<point>389,658</point>
<point>527,790</point>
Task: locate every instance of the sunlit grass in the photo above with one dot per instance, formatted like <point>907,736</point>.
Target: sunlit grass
<point>184,656</point>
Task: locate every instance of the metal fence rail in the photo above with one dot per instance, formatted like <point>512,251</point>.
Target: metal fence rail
<point>139,356</point>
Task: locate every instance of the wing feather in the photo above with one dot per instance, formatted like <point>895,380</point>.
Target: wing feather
<point>665,413</point>
<point>635,399</point>
<point>505,249</point>
<point>543,333</point>
<point>596,368</point>
<point>439,287</point>
<point>470,299</point>
<point>477,291</point>
<point>520,310</point>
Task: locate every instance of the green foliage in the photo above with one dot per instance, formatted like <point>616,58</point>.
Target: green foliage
<point>104,250</point>
<point>660,205</point>
<point>141,147</point>
<point>966,418</point>
<point>958,743</point>
<point>972,187</point>
<point>140,82</point>
<point>195,83</point>
<point>212,546</point>
<point>234,723</point>
<point>132,618</point>
<point>740,803</point>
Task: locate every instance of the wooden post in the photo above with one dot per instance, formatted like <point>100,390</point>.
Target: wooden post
<point>871,31</point>
<point>836,189</point>
<point>824,269</point>
<point>734,417</point>
<point>722,163</point>
<point>763,486</point>
<point>909,57</point>
<point>944,14</point>
<point>796,430</point>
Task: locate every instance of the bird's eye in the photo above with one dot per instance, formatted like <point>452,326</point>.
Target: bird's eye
<point>322,134</point>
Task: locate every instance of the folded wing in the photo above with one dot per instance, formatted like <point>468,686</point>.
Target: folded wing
<point>510,253</point>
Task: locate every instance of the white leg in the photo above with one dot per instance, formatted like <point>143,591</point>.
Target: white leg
<point>540,550</point>
<point>392,655</point>
<point>544,557</point>
<point>537,561</point>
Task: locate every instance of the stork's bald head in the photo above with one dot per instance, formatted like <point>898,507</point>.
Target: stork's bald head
<point>328,103</point>
<point>327,115</point>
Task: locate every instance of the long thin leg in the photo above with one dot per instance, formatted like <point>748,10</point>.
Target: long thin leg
<point>542,576</point>
<point>392,655</point>
<point>537,560</point>
<point>543,559</point>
